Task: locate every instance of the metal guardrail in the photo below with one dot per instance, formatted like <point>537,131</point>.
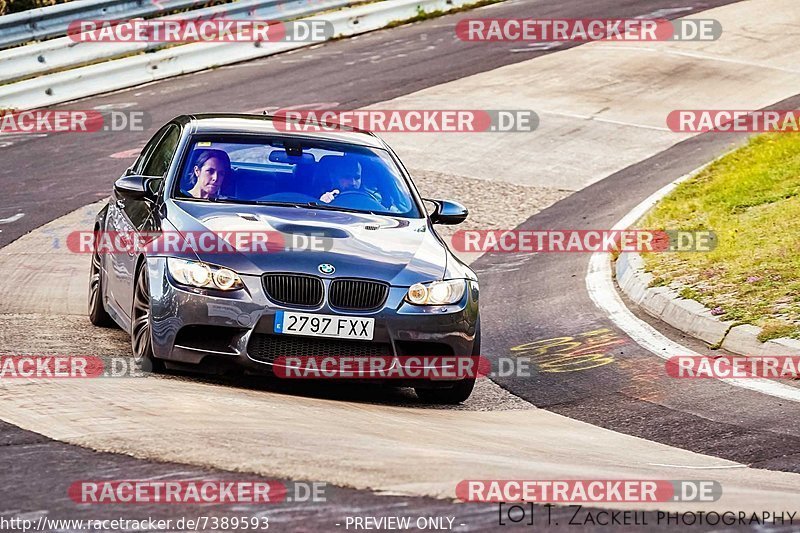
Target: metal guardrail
<point>53,21</point>
<point>128,72</point>
<point>62,53</point>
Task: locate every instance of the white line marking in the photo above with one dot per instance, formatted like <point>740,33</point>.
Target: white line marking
<point>661,13</point>
<point>11,219</point>
<point>601,289</point>
<point>537,47</point>
<point>118,105</point>
<point>184,474</point>
<point>699,467</point>
<point>607,120</point>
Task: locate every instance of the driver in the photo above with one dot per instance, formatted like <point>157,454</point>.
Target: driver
<point>210,169</point>
<point>345,175</point>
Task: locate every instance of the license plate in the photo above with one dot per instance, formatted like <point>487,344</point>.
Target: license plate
<point>341,327</point>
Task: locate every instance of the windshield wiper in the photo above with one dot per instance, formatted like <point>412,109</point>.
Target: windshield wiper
<point>312,205</point>
<point>327,207</point>
<point>257,202</point>
<point>277,204</point>
<point>307,205</point>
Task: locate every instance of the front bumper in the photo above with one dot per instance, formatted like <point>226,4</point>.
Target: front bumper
<point>194,325</point>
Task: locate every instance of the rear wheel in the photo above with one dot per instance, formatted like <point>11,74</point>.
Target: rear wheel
<point>141,333</point>
<point>97,309</point>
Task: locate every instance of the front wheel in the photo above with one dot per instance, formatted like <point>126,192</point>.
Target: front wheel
<point>454,395</point>
<point>462,389</point>
<point>141,333</point>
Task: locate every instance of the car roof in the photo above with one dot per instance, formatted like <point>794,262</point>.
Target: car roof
<point>265,124</point>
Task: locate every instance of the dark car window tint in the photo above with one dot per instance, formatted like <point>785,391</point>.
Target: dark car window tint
<point>161,157</point>
<point>319,173</point>
<point>148,149</point>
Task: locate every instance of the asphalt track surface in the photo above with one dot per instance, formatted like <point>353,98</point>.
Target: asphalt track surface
<point>54,175</point>
<point>30,493</point>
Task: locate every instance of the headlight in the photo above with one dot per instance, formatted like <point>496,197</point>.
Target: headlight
<point>437,292</point>
<point>201,275</point>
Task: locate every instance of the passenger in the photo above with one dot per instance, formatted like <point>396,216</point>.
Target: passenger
<point>211,168</point>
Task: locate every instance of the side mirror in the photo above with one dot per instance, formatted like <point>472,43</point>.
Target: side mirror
<point>448,212</point>
<point>137,187</point>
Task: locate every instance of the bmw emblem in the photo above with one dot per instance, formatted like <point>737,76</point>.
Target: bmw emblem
<point>326,268</point>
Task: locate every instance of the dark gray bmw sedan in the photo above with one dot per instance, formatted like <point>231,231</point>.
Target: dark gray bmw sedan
<point>251,245</point>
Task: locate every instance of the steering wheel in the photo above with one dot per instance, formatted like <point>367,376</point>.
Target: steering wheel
<point>358,200</point>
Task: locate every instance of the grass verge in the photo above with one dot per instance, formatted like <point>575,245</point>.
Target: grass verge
<point>750,199</point>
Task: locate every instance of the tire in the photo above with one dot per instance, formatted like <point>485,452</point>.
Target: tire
<point>98,315</point>
<point>454,395</point>
<point>141,331</point>
<point>462,389</point>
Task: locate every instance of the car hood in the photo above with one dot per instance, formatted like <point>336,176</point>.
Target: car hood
<point>400,251</point>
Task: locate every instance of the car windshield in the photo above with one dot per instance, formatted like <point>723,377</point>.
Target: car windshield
<point>298,173</point>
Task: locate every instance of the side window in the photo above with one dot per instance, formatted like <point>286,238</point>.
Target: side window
<point>148,149</point>
<point>158,161</point>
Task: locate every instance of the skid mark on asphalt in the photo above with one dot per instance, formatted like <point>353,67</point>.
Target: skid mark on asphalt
<point>706,57</point>
<point>127,154</point>
<point>644,379</point>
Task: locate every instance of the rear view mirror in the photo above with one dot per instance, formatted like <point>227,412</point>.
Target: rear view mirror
<point>282,156</point>
<point>137,187</point>
<point>448,212</point>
